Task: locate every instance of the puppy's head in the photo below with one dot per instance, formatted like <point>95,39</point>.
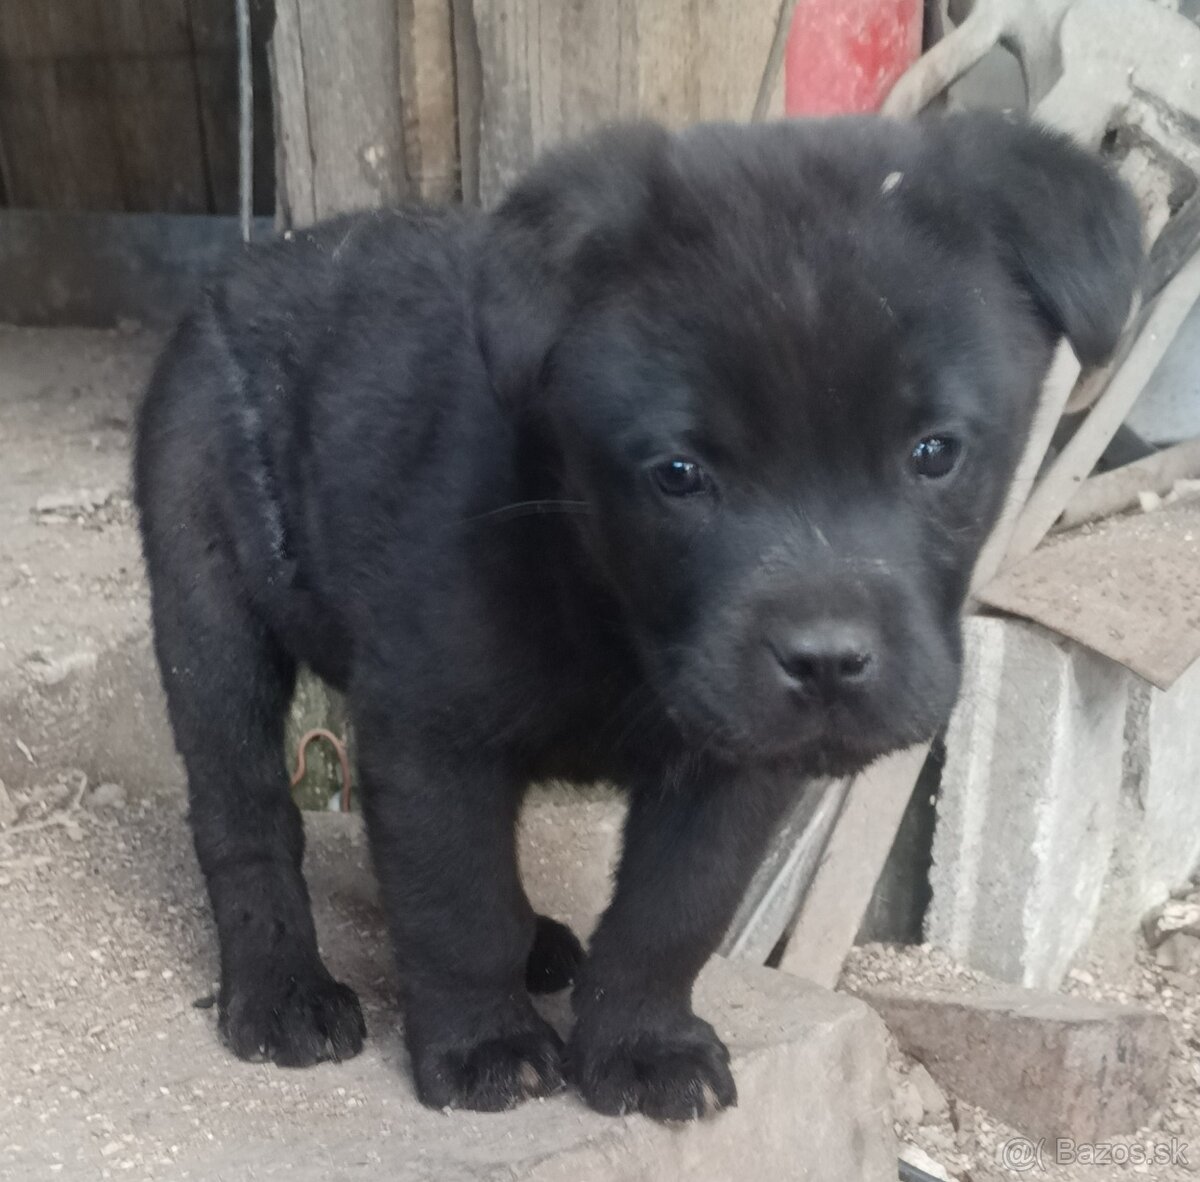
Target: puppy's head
<point>791,369</point>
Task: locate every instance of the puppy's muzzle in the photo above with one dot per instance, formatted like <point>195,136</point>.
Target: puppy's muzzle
<point>825,659</point>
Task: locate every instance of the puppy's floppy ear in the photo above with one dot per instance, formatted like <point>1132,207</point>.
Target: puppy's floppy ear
<point>1067,227</point>
<point>577,217</point>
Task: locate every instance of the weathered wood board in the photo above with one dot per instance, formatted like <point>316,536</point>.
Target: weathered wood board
<point>550,71</point>
<point>429,97</point>
<point>339,116</point>
<point>125,105</point>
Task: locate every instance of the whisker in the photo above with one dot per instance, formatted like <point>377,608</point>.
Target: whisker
<point>531,509</point>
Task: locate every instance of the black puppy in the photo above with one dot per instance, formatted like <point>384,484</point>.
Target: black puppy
<point>671,471</point>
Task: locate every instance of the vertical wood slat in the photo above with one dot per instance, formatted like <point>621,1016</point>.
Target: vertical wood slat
<point>52,84</point>
<point>428,96</point>
<point>116,104</point>
<point>213,37</point>
<point>552,70</point>
<point>339,114</point>
<point>214,62</point>
<point>468,85</point>
<point>153,106</point>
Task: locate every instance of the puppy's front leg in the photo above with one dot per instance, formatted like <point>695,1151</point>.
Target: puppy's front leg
<point>690,851</point>
<point>441,827</point>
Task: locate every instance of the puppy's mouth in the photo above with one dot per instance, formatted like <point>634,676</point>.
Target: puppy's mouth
<point>835,759</point>
<point>829,748</point>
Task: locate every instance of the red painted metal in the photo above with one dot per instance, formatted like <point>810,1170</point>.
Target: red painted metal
<point>845,55</point>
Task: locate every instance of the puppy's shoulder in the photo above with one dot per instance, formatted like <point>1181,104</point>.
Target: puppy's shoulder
<point>404,249</point>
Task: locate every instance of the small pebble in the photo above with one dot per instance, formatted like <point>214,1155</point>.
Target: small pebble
<point>108,796</point>
<point>933,1099</point>
<point>907,1108</point>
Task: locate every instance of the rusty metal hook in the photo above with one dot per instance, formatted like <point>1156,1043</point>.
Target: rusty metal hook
<point>343,759</point>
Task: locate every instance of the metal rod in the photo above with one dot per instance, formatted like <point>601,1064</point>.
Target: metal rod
<point>911,1173</point>
<point>245,121</point>
<point>775,56</point>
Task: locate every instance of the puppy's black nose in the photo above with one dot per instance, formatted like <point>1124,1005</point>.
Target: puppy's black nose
<point>826,657</point>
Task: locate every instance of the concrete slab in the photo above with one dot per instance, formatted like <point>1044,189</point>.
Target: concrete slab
<point>109,1068</point>
<point>1051,1066</point>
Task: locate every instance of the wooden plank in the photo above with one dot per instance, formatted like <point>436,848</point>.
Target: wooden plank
<point>715,53</point>
<point>99,106</point>
<point>1056,390</point>
<point>832,911</point>
<point>550,72</point>
<point>212,31</point>
<point>153,106</point>
<point>339,114</point>
<point>468,94</point>
<point>1127,589</point>
<point>1078,458</point>
<point>547,73</point>
<point>429,98</point>
<point>770,903</point>
<point>1117,491</point>
<point>53,91</point>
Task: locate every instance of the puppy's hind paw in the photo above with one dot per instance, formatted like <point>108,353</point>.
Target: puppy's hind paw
<point>554,959</point>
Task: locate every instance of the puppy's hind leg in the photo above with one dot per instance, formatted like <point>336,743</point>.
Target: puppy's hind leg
<point>228,686</point>
<point>555,958</point>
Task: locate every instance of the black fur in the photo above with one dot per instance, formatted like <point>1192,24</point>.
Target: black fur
<point>422,452</point>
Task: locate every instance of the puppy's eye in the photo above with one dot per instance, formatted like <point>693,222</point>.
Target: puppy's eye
<point>935,456</point>
<point>680,478</point>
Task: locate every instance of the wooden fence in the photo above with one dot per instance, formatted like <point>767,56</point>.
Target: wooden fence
<point>128,105</point>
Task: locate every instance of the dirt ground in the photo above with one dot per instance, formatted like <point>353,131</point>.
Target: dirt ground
<point>107,1068</point>
<point>72,596</point>
<point>110,1071</point>
<point>69,565</point>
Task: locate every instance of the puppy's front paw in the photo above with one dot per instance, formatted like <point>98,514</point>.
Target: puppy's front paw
<point>489,1065</point>
<point>295,1019</point>
<point>676,1072</point>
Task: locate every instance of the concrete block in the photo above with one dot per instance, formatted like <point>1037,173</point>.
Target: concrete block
<point>1162,778</point>
<point>1049,1065</point>
<point>108,1068</point>
<point>1162,787</point>
<point>1029,802</point>
<point>1157,844</point>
